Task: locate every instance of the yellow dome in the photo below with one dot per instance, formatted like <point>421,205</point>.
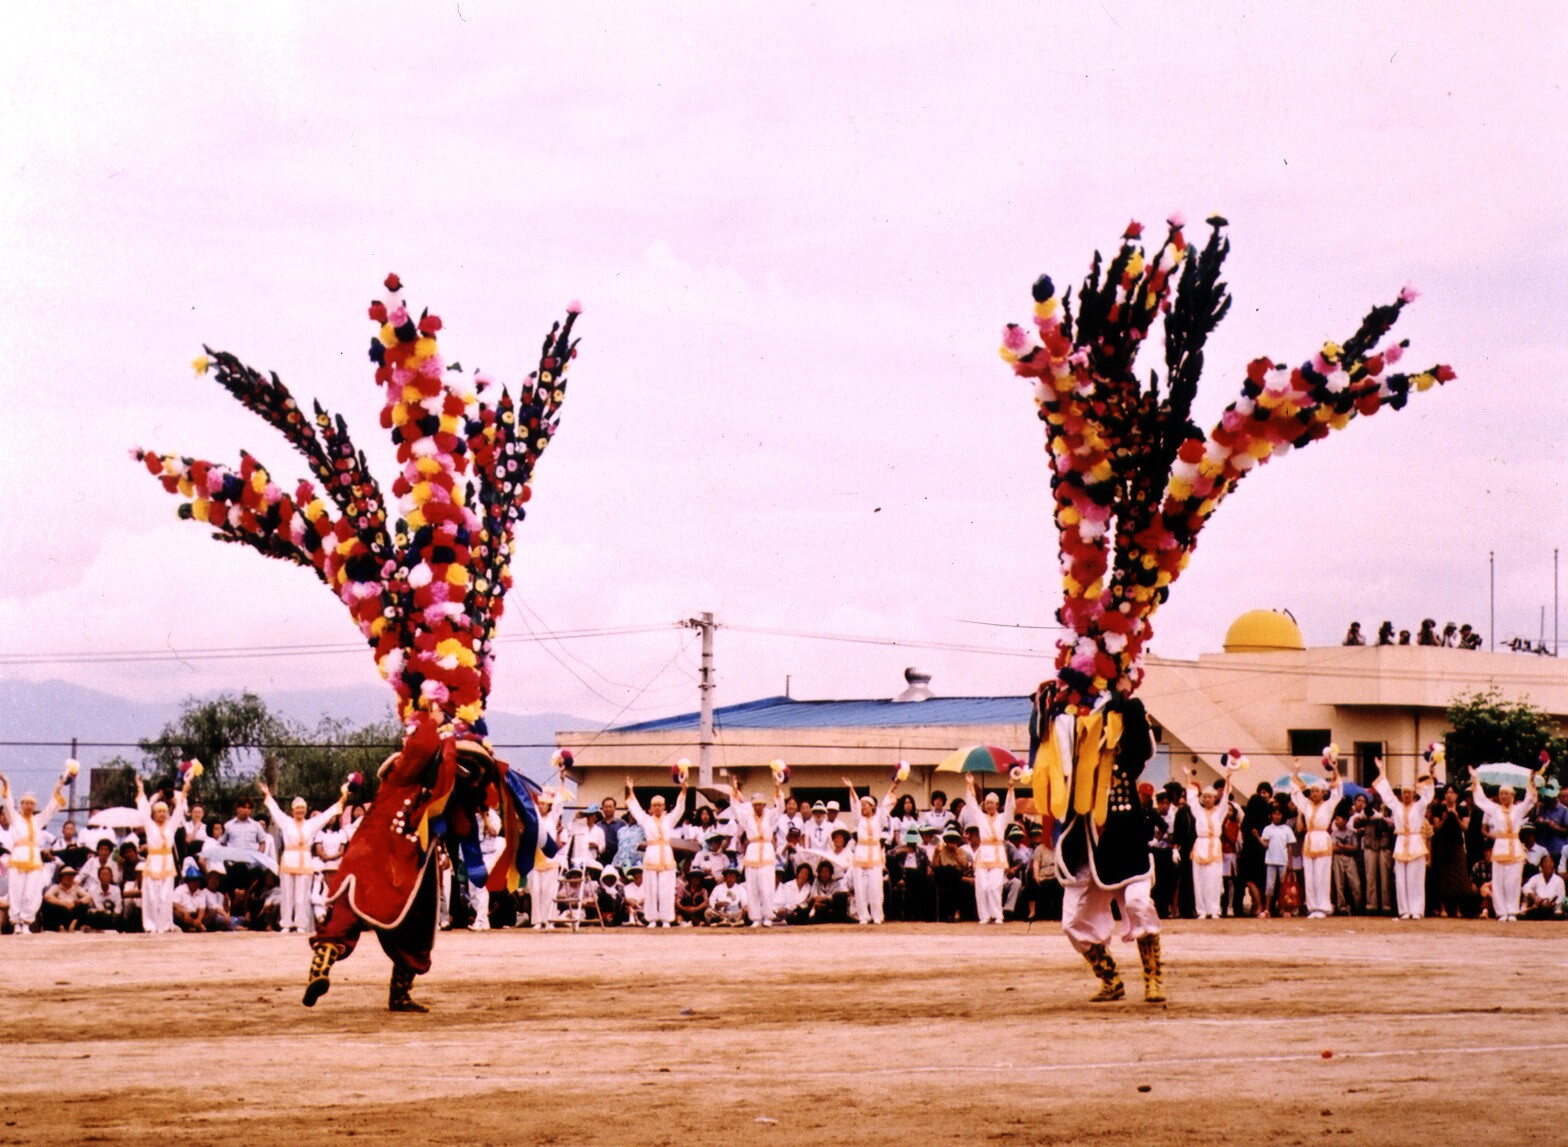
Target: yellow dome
<point>1263,631</point>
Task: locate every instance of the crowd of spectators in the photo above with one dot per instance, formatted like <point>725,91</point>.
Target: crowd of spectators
<point>93,874</point>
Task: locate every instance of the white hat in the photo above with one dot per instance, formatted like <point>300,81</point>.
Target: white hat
<point>833,806</point>
<point>758,798</point>
<point>820,807</point>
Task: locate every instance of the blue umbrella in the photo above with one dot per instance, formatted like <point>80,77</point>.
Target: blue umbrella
<point>1501,774</point>
<point>1307,780</point>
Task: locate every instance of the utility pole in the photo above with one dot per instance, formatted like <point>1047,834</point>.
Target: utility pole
<point>1491,625</point>
<point>1554,603</point>
<point>705,690</point>
<point>71,787</point>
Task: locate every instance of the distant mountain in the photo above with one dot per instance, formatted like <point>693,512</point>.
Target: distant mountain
<point>105,725</point>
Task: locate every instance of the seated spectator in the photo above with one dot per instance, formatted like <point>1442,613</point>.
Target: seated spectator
<point>612,905</point>
<point>691,904</point>
<point>713,859</point>
<point>216,903</point>
<point>190,907</point>
<point>1543,893</point>
<point>633,894</point>
<point>792,899</point>
<point>263,902</point>
<point>829,896</point>
<point>103,857</point>
<point>69,849</point>
<point>66,904</point>
<point>727,902</point>
<point>949,867</point>
<point>108,911</point>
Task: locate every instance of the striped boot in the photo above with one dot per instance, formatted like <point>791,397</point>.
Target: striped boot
<point>399,1000</point>
<point>1153,973</point>
<point>322,958</point>
<point>1111,988</point>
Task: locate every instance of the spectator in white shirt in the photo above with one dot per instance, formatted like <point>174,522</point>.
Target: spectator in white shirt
<point>727,902</point>
<point>245,831</point>
<point>1543,893</point>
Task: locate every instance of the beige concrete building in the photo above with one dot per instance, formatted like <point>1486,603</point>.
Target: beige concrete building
<point>1265,693</point>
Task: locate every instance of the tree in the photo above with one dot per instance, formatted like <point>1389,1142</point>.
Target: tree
<point>313,763</point>
<point>216,733</point>
<point>1133,477</point>
<point>1488,729</point>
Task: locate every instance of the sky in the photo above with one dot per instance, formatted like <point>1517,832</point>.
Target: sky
<point>797,231</point>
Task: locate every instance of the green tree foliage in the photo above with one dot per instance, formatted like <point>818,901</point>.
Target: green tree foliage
<point>317,762</point>
<point>235,738</point>
<point>1488,729</point>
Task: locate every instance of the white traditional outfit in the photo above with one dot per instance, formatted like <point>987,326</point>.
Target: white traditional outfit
<point>1410,851</point>
<point>160,869</point>
<point>28,837</point>
<point>760,861</point>
<point>296,868</point>
<point>544,878</point>
<point>1208,852</point>
<point>991,859</point>
<point>658,860</point>
<point>1507,852</point>
<point>870,865</point>
<point>1317,847</point>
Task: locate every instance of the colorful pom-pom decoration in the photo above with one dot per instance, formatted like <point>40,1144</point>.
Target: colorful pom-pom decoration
<point>1133,478</point>
<point>901,772</point>
<point>72,768</point>
<point>426,582</point>
<point>779,770</point>
<point>680,770</point>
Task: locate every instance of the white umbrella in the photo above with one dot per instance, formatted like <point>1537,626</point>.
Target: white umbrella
<point>227,855</point>
<point>1502,773</point>
<point>116,818</point>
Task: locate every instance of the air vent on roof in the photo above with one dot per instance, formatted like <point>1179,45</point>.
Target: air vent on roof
<point>917,686</point>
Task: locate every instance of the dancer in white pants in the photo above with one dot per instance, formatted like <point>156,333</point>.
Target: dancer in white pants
<point>296,870</point>
<point>1503,818</point>
<point>991,817</point>
<point>28,877</point>
<point>658,859</point>
<point>760,860</point>
<point>1209,811</point>
<point>160,823</point>
<point>1408,813</point>
<point>870,867</point>
<point>544,879</point>
<point>1316,806</point>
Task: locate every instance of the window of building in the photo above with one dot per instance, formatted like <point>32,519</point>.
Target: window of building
<point>1309,742</point>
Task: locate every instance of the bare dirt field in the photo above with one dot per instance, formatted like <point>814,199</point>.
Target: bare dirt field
<point>1440,1032</point>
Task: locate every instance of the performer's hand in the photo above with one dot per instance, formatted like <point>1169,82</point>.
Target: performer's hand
<point>1377,764</point>
<point>262,786</point>
<point>847,783</point>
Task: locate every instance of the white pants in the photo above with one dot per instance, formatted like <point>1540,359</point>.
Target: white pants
<point>542,883</point>
<point>1505,888</point>
<point>296,915</point>
<point>1317,876</point>
<point>158,905</point>
<point>479,901</point>
<point>1010,890</point>
<point>27,894</point>
<point>1208,881</point>
<point>659,902</point>
<point>1086,912</point>
<point>760,883</point>
<point>1410,886</point>
<point>867,887</point>
<point>988,893</point>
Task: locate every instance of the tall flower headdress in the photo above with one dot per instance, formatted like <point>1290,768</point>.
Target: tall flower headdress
<point>426,589</point>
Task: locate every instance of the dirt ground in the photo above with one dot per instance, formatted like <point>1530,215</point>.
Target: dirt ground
<point>1439,1032</point>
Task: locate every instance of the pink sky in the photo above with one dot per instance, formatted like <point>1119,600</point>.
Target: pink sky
<point>797,233</point>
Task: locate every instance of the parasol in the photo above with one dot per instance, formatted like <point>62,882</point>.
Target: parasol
<point>116,818</point>
<point>228,855</point>
<point>1500,774</point>
<point>978,759</point>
